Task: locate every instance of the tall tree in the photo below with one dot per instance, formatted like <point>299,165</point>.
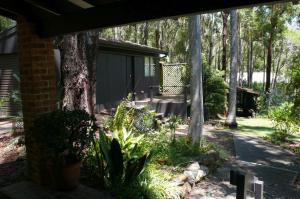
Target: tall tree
<point>272,20</point>
<point>196,127</point>
<point>78,66</point>
<point>225,15</point>
<point>231,117</point>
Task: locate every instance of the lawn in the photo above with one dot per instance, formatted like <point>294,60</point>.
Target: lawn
<point>255,126</point>
<point>259,126</point>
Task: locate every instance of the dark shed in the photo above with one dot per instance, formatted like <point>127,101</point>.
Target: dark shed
<point>246,101</point>
<point>123,68</point>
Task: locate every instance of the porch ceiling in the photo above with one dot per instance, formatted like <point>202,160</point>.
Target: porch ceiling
<point>55,17</point>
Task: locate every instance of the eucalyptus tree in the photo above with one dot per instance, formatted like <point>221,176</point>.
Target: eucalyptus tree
<point>225,15</point>
<point>231,117</point>
<point>272,19</point>
<point>197,113</point>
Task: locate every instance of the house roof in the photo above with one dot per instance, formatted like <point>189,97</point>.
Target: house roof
<point>55,17</point>
<point>8,45</point>
<point>248,90</point>
<point>130,47</point>
<point>8,41</point>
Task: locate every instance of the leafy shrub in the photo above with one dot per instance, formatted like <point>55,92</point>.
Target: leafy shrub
<point>294,86</point>
<point>138,121</point>
<point>64,135</point>
<point>214,92</point>
<point>144,121</point>
<point>112,162</point>
<point>174,120</point>
<point>123,118</point>
<point>3,100</point>
<point>283,122</point>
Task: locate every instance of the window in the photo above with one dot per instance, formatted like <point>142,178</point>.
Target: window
<point>149,67</point>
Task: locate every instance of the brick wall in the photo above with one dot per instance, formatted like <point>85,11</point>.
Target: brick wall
<point>38,87</point>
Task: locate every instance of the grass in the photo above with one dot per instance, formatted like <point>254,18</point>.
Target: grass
<point>261,127</point>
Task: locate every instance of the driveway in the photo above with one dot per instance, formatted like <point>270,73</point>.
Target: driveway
<point>278,168</point>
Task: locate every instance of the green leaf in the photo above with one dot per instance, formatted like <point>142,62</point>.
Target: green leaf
<point>104,146</point>
<point>134,168</point>
<point>117,166</point>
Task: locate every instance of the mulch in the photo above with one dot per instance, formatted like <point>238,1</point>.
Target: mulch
<point>12,160</point>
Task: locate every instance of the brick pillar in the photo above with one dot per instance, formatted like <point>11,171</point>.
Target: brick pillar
<point>38,86</point>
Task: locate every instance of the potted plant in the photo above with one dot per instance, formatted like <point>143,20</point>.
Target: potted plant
<point>64,137</point>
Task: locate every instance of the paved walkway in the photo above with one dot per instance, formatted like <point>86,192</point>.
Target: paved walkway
<point>278,168</point>
<point>5,127</point>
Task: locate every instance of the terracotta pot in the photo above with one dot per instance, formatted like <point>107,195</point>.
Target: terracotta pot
<point>68,176</point>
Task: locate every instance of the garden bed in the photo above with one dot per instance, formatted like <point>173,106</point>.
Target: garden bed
<point>12,164</point>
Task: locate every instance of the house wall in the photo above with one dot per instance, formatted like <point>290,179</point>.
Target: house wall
<point>9,83</point>
<point>119,74</point>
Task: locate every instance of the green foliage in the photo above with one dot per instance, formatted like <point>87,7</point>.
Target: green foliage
<point>283,122</point>
<point>3,100</point>
<point>214,92</point>
<point>293,36</point>
<point>144,121</point>
<point>64,135</point>
<point>174,120</point>
<point>123,118</point>
<point>278,96</point>
<point>138,121</point>
<point>294,86</point>
<point>115,162</point>
<point>5,23</point>
<point>128,142</point>
<point>185,76</point>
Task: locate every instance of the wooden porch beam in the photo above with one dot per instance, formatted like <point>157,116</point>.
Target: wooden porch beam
<point>131,11</point>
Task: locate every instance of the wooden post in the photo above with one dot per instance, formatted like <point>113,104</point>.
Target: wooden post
<point>246,182</point>
<point>185,101</point>
<point>151,93</point>
<point>258,189</point>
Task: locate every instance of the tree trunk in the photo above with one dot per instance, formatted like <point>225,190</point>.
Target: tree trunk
<point>146,33</point>
<point>268,70</point>
<point>240,65</point>
<point>264,72</point>
<point>279,66</point>
<point>225,15</point>
<point>240,55</point>
<point>231,117</point>
<point>78,66</point>
<point>211,43</point>
<point>158,37</point>
<point>136,34</point>
<point>91,38</point>
<point>196,127</point>
<point>250,62</point>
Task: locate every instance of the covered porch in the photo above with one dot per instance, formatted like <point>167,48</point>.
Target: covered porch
<point>38,21</point>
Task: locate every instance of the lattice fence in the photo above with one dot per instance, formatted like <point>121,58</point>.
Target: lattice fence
<point>172,83</point>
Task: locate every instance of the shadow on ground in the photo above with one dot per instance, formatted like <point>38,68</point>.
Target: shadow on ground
<point>12,172</point>
<point>278,168</point>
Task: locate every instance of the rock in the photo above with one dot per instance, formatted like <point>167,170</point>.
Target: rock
<point>194,172</point>
<point>194,176</point>
<point>193,166</point>
<point>180,180</point>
